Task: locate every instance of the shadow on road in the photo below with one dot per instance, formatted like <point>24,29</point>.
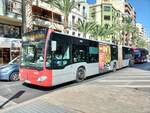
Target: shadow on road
<point>143,66</point>
<point>17,95</point>
<point>48,88</point>
<point>65,85</point>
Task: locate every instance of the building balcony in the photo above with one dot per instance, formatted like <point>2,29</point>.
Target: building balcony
<point>128,6</point>
<point>46,6</point>
<point>13,9</point>
<point>46,18</point>
<point>47,22</point>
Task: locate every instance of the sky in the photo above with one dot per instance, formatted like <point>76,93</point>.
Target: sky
<point>142,8</point>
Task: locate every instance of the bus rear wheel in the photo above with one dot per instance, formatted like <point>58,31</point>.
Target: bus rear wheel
<point>80,75</point>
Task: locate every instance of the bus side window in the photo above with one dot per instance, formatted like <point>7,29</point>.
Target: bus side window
<point>93,54</point>
<point>79,53</point>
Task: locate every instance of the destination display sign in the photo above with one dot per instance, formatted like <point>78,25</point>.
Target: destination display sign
<point>32,36</point>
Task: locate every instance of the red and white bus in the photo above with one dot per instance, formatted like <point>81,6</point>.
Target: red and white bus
<point>140,55</point>
<point>50,58</point>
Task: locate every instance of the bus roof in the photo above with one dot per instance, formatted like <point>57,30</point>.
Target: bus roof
<point>104,42</point>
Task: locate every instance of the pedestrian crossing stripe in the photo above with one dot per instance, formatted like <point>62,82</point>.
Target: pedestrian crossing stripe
<point>123,80</point>
<point>132,86</point>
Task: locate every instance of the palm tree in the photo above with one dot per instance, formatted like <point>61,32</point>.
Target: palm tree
<point>141,42</point>
<point>115,32</point>
<point>135,36</point>
<point>110,31</point>
<point>85,27</point>
<point>65,6</point>
<point>126,29</point>
<point>27,20</point>
<point>98,32</point>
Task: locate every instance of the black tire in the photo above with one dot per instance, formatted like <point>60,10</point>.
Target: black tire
<point>14,76</point>
<point>80,75</point>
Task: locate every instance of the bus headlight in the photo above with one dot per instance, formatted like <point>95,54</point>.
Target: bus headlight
<point>41,78</point>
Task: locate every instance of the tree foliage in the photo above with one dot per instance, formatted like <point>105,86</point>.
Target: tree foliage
<point>85,27</point>
<point>65,6</point>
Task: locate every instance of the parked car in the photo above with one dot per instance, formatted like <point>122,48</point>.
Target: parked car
<point>10,71</point>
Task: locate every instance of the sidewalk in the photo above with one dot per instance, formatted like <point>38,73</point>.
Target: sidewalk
<point>87,98</point>
<point>4,100</point>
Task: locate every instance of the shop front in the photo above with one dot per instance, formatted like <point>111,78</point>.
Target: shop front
<point>4,55</point>
<point>9,49</point>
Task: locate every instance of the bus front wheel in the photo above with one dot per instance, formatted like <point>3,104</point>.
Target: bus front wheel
<point>80,75</point>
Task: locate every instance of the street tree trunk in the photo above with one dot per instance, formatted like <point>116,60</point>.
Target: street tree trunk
<point>65,23</point>
<point>27,21</point>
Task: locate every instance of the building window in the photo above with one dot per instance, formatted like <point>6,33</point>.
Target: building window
<point>79,19</point>
<point>79,34</point>
<point>79,6</point>
<point>84,12</point>
<point>73,20</point>
<point>118,15</point>
<point>14,6</point>
<point>10,31</point>
<point>107,8</point>
<point>73,33</point>
<point>4,55</point>
<point>106,17</point>
<point>93,15</point>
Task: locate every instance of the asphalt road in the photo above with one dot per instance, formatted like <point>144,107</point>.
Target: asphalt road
<point>137,77</point>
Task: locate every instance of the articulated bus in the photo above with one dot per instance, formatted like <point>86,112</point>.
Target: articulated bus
<point>50,58</point>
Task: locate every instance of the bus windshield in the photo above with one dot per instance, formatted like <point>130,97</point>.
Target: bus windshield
<point>33,54</point>
<point>137,53</point>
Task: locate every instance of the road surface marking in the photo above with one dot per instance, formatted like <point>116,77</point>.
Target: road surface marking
<point>3,100</point>
<point>123,80</point>
<point>132,86</point>
<point>137,76</point>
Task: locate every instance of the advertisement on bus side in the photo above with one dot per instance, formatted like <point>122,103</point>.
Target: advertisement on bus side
<point>104,57</point>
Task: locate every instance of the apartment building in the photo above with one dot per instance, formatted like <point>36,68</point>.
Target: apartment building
<point>10,30</point>
<point>109,12</point>
<point>140,28</point>
<point>142,31</point>
<point>125,7</point>
<point>81,12</point>
<point>106,15</point>
<point>107,7</point>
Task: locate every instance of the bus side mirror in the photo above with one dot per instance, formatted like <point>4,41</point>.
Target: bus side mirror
<point>53,45</point>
